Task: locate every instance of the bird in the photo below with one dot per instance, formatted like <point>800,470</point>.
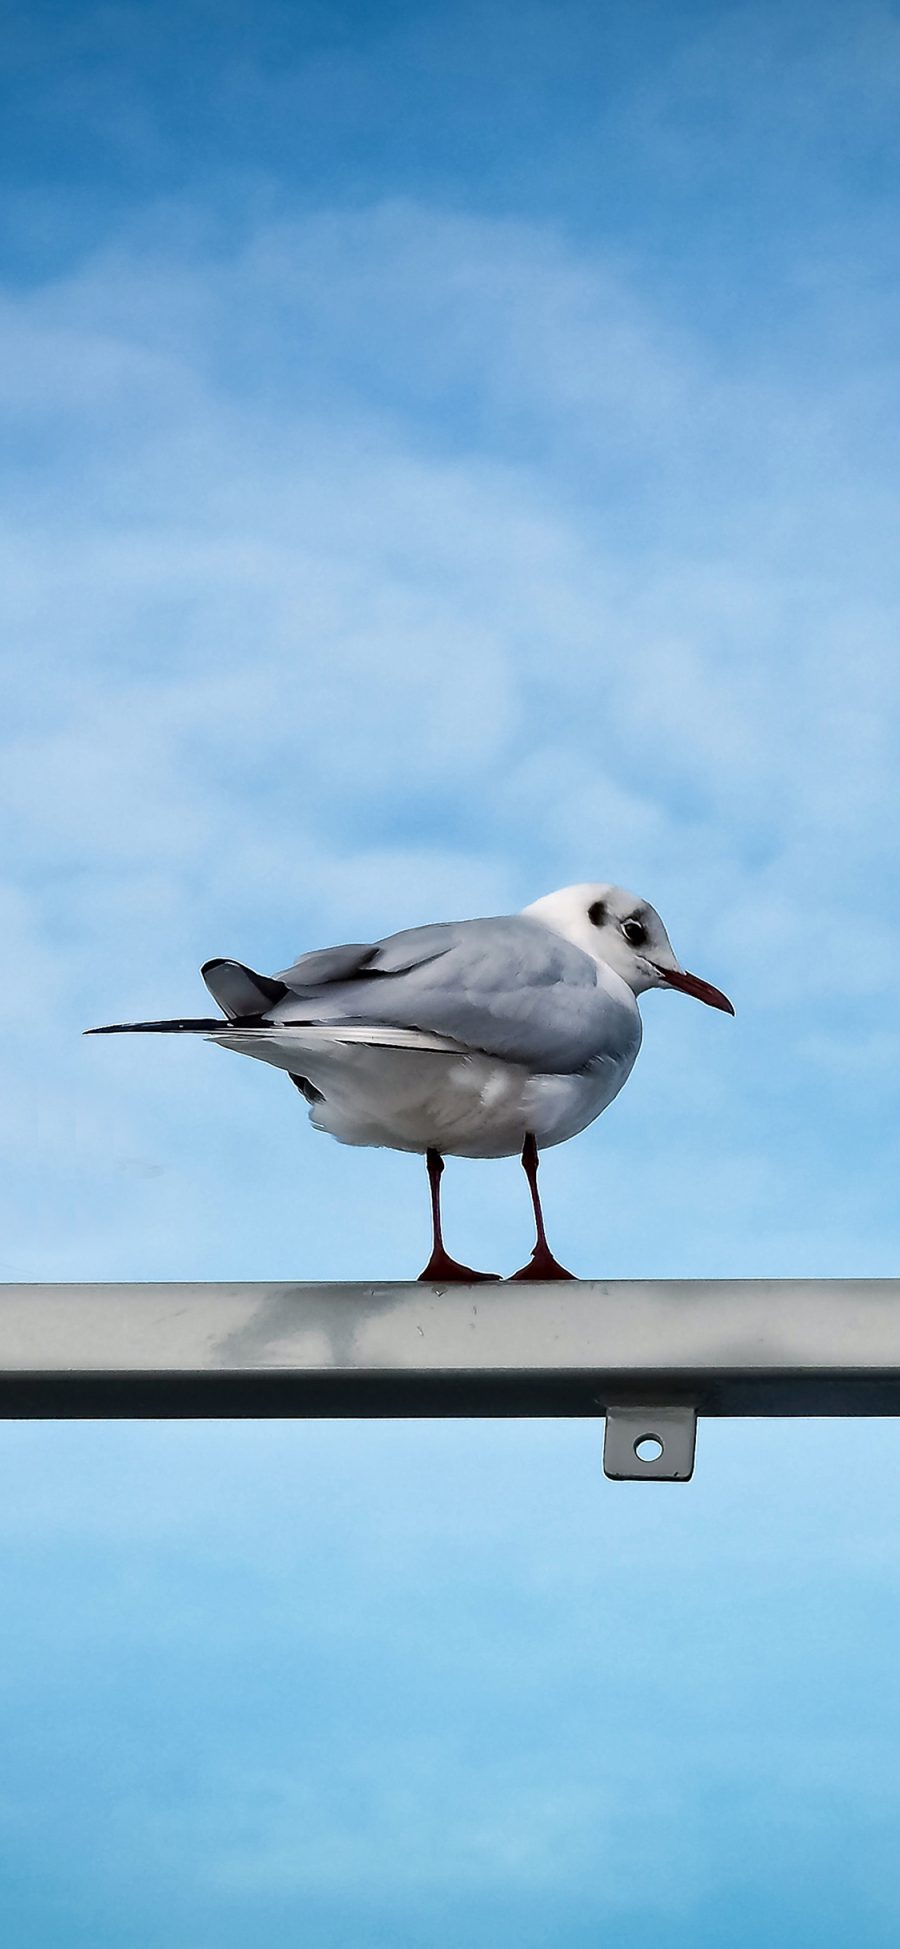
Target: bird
<point>475,1038</point>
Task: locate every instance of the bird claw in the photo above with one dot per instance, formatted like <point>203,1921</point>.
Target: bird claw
<point>542,1265</point>
<point>441,1270</point>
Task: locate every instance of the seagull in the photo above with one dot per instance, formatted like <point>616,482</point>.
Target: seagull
<point>470,1038</point>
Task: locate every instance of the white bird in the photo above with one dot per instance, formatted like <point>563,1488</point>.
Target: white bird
<point>474,1038</point>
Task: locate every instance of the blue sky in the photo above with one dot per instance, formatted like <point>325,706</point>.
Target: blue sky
<point>450,453</point>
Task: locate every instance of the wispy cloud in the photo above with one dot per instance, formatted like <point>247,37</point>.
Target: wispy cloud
<point>405,547</point>
<point>400,563</point>
<point>449,452</point>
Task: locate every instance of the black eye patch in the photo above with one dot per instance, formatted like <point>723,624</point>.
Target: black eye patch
<point>597,913</point>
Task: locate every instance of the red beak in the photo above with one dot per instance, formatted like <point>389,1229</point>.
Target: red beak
<point>692,985</point>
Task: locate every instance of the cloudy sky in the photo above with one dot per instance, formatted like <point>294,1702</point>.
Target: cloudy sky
<point>450,452</point>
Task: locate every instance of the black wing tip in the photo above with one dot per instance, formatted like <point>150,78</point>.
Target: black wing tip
<point>183,1026</point>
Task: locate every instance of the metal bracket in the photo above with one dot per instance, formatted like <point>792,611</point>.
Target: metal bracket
<point>650,1444</point>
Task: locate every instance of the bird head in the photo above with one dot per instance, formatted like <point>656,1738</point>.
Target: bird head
<point>625,934</point>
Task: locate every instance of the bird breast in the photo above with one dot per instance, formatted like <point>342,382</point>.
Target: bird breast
<point>464,1106</point>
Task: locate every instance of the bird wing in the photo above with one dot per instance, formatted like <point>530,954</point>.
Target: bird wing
<point>507,987</point>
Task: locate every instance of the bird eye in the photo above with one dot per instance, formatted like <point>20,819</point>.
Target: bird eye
<point>597,913</point>
<point>634,931</point>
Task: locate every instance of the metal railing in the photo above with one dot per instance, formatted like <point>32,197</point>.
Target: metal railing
<point>648,1355</point>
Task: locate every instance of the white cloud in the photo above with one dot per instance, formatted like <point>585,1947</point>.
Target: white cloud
<point>399,563</point>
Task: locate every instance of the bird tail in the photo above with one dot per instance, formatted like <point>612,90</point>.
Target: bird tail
<point>242,994</point>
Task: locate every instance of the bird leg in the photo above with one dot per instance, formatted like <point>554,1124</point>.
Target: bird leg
<point>441,1269</point>
<point>542,1264</point>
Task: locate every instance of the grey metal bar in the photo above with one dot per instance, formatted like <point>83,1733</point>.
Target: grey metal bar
<point>721,1347</point>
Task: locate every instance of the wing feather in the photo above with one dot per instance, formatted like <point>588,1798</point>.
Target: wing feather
<point>507,987</point>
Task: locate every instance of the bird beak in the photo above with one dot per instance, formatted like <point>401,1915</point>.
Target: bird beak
<point>692,985</point>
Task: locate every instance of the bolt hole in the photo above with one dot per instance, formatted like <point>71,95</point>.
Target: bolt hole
<point>648,1448</point>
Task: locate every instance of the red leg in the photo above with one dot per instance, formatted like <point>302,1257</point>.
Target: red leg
<point>542,1264</point>
<point>441,1270</point>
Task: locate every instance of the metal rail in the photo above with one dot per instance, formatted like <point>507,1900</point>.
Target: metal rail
<point>648,1355</point>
